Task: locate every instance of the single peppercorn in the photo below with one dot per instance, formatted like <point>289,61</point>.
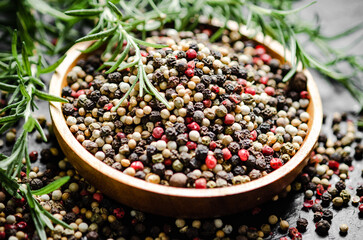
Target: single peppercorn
<point>322,227</point>
<point>301,224</point>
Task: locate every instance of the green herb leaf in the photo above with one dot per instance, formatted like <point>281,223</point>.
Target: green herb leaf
<point>52,186</point>
<point>147,44</point>
<point>115,9</point>
<point>99,35</point>
<point>52,67</point>
<point>84,12</point>
<point>48,97</point>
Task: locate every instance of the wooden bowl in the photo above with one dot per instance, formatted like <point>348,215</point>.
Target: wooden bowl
<point>181,202</point>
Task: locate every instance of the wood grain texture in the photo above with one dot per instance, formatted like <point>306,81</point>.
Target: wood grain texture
<point>181,202</point>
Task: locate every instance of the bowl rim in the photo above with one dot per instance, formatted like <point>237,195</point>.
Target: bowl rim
<point>59,122</point>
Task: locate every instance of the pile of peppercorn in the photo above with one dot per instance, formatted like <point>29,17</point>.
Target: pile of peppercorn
<point>231,119</point>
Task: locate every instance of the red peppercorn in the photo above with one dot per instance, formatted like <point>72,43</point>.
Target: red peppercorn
<point>250,90</point>
<point>191,145</point>
<point>260,50</point>
<point>266,58</point>
<point>191,64</point>
<point>158,132</point>
<point>75,209</point>
<point>167,162</point>
<point>229,119</point>
<point>215,89</point>
<point>253,135</point>
<point>191,53</point>
<point>98,197</point>
<point>165,138</point>
<point>207,103</point>
<point>189,119</point>
<point>320,189</point>
<point>308,204</point>
<point>360,208</point>
<point>137,165</point>
<point>276,163</point>
<point>226,153</point>
<point>333,165</point>
<point>21,225</point>
<point>267,150</point>
<point>189,72</point>
<point>193,126</point>
<point>264,80</point>
<point>305,94</point>
<point>210,161</point>
<point>83,192</point>
<point>2,235</point>
<point>108,106</point>
<point>120,135</point>
<point>33,156</point>
<point>78,93</point>
<point>119,213</point>
<point>270,91</point>
<point>242,82</point>
<point>201,183</point>
<point>212,145</point>
<point>243,154</point>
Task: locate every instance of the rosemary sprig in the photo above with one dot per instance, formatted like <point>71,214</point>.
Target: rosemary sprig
<point>110,31</point>
<point>22,82</point>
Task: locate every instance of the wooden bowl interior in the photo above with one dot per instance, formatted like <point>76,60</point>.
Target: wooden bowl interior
<point>181,202</point>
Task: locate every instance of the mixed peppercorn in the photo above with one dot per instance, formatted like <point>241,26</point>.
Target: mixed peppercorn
<point>231,119</point>
<point>94,216</point>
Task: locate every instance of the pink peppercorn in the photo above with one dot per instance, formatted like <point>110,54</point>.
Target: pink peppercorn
<point>212,145</point>
<point>120,135</point>
<point>253,135</point>
<point>243,154</point>
<point>267,150</point>
<point>229,119</point>
<point>304,94</point>
<point>333,165</point>
<point>360,208</point>
<point>158,132</point>
<point>191,64</point>
<point>266,58</point>
<point>260,50</point>
<point>33,156</point>
<point>226,153</point>
<point>210,161</point>
<point>167,162</point>
<point>264,80</point>
<point>270,91</point>
<point>276,163</point>
<point>189,72</point>
<point>191,54</point>
<point>191,145</point>
<point>193,126</point>
<point>98,197</point>
<point>207,103</point>
<point>137,165</point>
<point>250,90</point>
<point>108,106</point>
<point>201,183</point>
<point>21,225</point>
<point>215,89</point>
<point>119,213</point>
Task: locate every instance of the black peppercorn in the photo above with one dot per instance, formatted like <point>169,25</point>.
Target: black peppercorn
<point>318,216</point>
<point>201,152</point>
<point>301,224</point>
<point>322,227</point>
<point>340,185</point>
<point>36,184</point>
<point>317,208</point>
<point>114,77</point>
<point>68,109</point>
<point>66,91</point>
<point>327,215</point>
<point>360,190</point>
